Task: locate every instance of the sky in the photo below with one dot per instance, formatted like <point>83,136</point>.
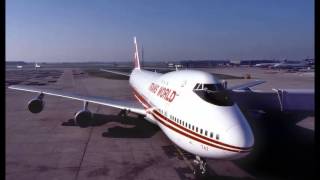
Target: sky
<point>168,30</point>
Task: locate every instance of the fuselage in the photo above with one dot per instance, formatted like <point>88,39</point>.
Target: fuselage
<point>202,122</point>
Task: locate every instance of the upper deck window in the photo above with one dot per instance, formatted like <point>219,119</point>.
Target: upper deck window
<point>213,93</point>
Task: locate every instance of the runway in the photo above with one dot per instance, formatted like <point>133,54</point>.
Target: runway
<point>49,146</point>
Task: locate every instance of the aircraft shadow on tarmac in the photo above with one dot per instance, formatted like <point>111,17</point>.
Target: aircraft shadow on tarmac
<point>139,127</point>
<point>282,149</point>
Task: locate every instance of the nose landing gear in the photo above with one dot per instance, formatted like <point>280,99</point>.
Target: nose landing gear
<point>200,167</point>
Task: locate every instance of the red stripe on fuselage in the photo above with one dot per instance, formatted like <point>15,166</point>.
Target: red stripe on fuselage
<point>141,98</point>
<point>192,137</point>
<point>193,133</point>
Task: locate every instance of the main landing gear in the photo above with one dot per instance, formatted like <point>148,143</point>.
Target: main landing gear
<point>200,167</point>
<point>123,113</point>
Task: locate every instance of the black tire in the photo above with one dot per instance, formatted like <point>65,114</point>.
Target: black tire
<point>198,175</point>
<point>83,119</point>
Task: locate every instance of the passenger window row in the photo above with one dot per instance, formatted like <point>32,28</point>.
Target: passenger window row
<point>191,127</point>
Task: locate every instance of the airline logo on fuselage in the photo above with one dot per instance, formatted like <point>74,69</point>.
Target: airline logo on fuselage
<point>163,92</point>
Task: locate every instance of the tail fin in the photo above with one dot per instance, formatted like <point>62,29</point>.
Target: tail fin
<point>136,54</point>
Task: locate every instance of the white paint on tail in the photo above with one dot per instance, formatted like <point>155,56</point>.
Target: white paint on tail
<point>136,54</point>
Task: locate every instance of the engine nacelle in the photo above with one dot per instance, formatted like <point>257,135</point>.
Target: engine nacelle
<point>83,118</point>
<point>36,105</point>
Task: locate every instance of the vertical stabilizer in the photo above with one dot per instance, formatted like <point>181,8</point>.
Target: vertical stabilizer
<point>142,56</point>
<point>136,54</point>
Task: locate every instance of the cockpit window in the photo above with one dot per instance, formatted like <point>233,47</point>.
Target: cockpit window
<point>213,87</point>
<point>197,86</point>
<point>213,93</point>
<point>210,87</point>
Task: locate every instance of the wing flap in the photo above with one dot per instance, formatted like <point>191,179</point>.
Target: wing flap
<point>128,105</point>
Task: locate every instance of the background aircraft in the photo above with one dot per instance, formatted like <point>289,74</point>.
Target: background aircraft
<point>36,66</point>
<point>287,64</point>
<point>292,65</point>
<point>265,65</point>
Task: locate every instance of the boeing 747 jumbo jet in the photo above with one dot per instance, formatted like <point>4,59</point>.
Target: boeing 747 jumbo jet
<point>192,108</point>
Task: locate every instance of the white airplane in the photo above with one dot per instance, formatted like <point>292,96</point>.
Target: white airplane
<point>193,109</point>
<point>286,65</point>
<point>36,65</point>
<point>265,65</point>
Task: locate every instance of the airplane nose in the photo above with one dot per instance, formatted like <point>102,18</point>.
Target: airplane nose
<point>241,136</point>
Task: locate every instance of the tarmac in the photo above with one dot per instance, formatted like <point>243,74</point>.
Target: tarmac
<point>49,146</point>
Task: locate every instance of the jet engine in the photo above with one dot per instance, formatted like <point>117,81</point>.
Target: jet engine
<point>36,105</point>
<point>83,118</point>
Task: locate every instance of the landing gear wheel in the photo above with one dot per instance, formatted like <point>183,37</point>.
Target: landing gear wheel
<point>83,119</point>
<point>123,113</point>
<point>200,168</point>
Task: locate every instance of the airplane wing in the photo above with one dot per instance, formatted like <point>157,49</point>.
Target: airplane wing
<point>158,70</point>
<point>247,86</point>
<point>129,105</point>
<point>116,72</point>
<point>283,100</point>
